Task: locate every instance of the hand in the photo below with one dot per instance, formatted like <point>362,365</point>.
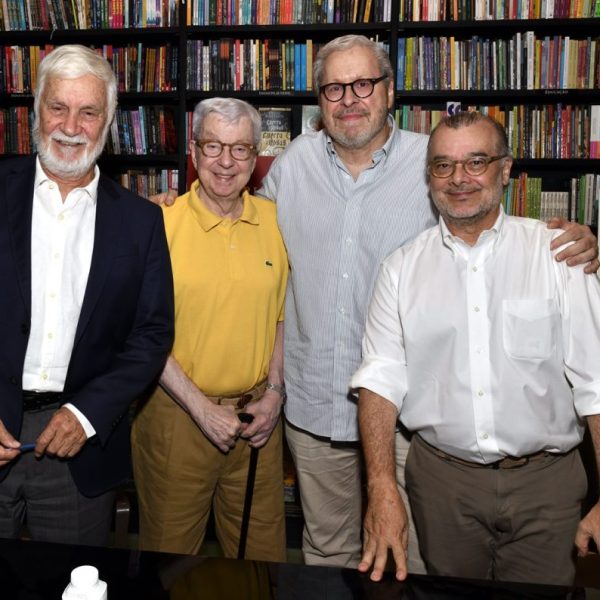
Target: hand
<point>266,414</point>
<point>585,246</point>
<point>9,447</point>
<point>219,424</point>
<point>166,198</point>
<point>588,529</point>
<point>385,527</point>
<point>63,436</point>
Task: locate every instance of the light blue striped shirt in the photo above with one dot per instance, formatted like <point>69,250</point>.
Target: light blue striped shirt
<point>337,232</point>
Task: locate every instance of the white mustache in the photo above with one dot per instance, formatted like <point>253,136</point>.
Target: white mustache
<point>67,139</point>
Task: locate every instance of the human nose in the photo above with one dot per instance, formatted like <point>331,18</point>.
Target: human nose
<point>349,96</point>
<point>225,158</point>
<point>459,173</point>
<point>71,123</point>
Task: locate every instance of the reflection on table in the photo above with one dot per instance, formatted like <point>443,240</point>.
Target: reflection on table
<point>39,571</point>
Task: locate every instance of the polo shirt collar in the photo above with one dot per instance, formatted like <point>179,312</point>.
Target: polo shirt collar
<point>208,220</point>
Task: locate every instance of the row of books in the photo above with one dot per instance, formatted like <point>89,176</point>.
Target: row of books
<point>150,181</point>
<point>524,197</point>
<point>138,68</point>
<point>229,64</point>
<point>523,62</point>
<point>28,15</point>
<point>481,10</point>
<point>284,12</point>
<point>15,130</point>
<point>144,130</point>
<point>536,132</point>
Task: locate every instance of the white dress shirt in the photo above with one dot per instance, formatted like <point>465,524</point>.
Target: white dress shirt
<point>337,230</point>
<point>62,241</point>
<point>476,346</point>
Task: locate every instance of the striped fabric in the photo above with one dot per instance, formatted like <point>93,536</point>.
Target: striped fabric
<point>337,232</point>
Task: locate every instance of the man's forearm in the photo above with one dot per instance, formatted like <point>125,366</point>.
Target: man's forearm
<point>377,422</point>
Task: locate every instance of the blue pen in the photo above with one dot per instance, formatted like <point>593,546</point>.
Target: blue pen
<point>26,447</point>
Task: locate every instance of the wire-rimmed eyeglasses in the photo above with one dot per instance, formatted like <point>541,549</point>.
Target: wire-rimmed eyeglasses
<point>361,88</point>
<point>214,149</point>
<point>476,165</point>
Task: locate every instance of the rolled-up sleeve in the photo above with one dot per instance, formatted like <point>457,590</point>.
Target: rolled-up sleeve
<point>383,368</point>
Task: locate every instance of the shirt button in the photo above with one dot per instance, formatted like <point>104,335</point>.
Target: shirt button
<point>51,185</point>
<point>476,308</point>
<point>342,311</point>
<point>50,336</point>
<point>475,269</point>
<point>61,217</point>
<point>44,376</point>
<point>345,275</point>
<point>485,436</point>
<point>348,240</point>
<point>480,393</point>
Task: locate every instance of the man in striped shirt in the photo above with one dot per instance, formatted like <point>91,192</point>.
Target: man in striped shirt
<point>346,196</point>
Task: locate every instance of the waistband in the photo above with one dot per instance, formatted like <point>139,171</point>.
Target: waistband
<point>508,462</point>
<point>37,401</point>
<point>241,401</point>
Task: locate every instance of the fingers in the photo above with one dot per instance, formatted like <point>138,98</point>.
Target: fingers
<point>592,267</point>
<point>170,197</point>
<point>6,439</point>
<point>221,426</point>
<point>62,437</point>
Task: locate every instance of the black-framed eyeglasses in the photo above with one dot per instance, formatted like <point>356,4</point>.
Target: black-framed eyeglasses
<point>361,88</point>
<point>214,149</point>
<point>476,165</point>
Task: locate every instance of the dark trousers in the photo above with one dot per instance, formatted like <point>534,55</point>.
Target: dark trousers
<point>506,524</point>
<point>41,494</point>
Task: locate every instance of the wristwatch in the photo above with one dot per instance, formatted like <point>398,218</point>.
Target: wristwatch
<point>280,389</point>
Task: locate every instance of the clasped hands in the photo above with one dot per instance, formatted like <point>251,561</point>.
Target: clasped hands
<point>222,426</point>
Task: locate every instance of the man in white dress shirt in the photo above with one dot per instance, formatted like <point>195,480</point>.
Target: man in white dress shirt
<point>487,348</point>
<point>86,309</point>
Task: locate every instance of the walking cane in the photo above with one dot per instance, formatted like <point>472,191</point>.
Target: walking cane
<point>247,418</point>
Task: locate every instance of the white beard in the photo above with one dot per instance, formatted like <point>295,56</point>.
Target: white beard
<point>64,167</point>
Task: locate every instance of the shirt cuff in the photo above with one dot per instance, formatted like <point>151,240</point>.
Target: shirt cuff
<point>87,426</point>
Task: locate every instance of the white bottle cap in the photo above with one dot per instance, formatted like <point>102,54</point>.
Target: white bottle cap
<point>84,577</point>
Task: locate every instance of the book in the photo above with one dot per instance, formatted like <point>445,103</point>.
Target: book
<point>276,130</point>
<point>311,118</point>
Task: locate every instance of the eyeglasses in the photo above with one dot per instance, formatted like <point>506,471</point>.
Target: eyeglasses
<point>214,149</point>
<point>476,165</point>
<point>361,88</point>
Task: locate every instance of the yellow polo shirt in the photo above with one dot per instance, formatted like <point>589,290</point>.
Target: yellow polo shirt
<point>230,279</point>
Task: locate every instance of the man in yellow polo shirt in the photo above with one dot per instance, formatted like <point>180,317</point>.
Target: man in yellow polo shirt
<point>230,267</point>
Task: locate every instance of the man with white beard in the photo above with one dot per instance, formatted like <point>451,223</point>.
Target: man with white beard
<point>86,310</point>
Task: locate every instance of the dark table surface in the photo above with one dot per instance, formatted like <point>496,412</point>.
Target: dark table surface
<point>39,571</point>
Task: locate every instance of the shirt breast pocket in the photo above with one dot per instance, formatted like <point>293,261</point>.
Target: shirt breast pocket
<point>530,328</point>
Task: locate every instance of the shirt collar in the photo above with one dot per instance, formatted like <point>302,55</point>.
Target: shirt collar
<point>209,219</point>
<point>487,239</point>
<point>91,189</point>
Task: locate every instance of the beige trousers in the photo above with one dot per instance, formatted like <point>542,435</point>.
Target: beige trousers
<point>180,475</point>
<point>329,479</point>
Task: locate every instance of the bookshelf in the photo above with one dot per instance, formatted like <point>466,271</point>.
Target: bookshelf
<point>535,65</point>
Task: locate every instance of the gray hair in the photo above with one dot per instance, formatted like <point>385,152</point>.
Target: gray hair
<point>346,42</point>
<point>70,62</point>
<point>467,118</point>
<point>230,110</point>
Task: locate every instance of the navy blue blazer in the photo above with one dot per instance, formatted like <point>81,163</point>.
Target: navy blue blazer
<point>125,329</point>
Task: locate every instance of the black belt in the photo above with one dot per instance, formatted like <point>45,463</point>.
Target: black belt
<point>36,401</point>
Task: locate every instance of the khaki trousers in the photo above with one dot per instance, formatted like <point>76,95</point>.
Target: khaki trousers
<point>513,524</point>
<point>329,480</point>
<point>180,475</point>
